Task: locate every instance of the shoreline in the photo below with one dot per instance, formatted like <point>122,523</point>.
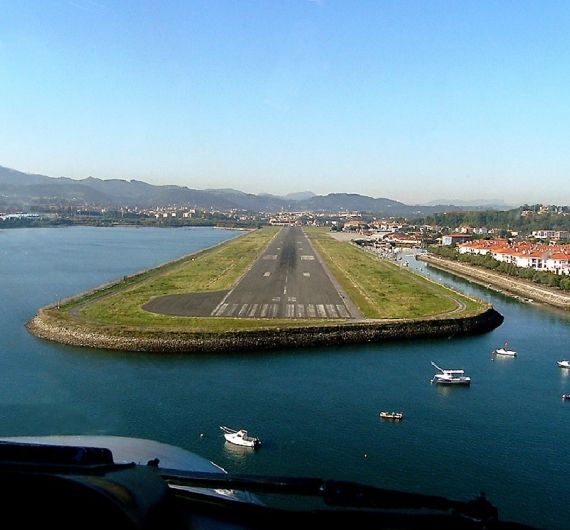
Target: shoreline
<point>226,336</point>
<point>511,286</point>
<point>73,333</point>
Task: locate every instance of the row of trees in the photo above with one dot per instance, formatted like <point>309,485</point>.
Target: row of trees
<point>547,278</point>
<point>511,219</point>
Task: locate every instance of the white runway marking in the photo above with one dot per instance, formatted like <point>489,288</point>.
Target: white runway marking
<point>331,310</point>
<point>220,310</point>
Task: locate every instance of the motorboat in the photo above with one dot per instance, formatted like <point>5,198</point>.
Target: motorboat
<point>240,437</point>
<point>450,377</point>
<point>563,364</point>
<point>565,397</point>
<point>505,351</point>
<point>391,415</point>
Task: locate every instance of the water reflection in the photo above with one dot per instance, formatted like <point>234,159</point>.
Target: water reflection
<point>237,453</point>
<point>447,390</point>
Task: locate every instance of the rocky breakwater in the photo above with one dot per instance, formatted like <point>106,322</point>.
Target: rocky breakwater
<point>48,325</point>
<point>511,285</point>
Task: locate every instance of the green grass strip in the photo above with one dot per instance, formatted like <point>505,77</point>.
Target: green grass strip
<point>382,289</point>
<point>215,269</point>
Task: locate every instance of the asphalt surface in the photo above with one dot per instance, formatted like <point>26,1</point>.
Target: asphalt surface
<point>288,280</point>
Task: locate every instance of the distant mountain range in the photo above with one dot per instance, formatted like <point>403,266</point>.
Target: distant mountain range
<point>24,189</point>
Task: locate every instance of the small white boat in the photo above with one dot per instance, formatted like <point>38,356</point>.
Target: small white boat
<point>391,415</point>
<point>240,437</point>
<point>563,364</point>
<point>450,377</point>
<point>505,351</point>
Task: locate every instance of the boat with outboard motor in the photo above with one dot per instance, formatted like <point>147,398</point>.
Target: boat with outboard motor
<point>450,377</point>
<point>391,415</point>
<point>564,363</point>
<point>505,351</point>
<point>240,437</point>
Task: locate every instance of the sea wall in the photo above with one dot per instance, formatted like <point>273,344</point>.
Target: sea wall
<point>67,331</point>
<point>516,286</point>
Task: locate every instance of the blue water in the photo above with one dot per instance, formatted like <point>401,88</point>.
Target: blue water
<point>316,409</point>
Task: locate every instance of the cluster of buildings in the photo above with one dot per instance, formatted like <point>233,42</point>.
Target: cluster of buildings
<point>538,256</point>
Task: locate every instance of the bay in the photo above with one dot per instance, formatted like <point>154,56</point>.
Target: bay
<point>316,410</point>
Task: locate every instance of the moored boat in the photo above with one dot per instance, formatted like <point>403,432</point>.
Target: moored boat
<point>450,377</point>
<point>505,351</point>
<point>240,437</point>
<point>391,415</point>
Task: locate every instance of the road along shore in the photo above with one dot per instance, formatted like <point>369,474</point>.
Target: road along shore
<point>511,285</point>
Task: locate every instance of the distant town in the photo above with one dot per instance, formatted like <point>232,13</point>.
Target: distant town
<point>531,238</point>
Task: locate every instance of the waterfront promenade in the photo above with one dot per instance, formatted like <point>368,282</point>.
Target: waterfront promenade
<point>515,286</point>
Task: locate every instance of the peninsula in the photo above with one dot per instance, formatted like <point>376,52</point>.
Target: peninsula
<point>269,288</point>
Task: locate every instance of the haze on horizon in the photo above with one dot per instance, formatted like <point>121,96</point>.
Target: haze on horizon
<point>408,100</point>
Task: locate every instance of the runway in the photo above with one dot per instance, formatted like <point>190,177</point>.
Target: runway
<point>287,281</point>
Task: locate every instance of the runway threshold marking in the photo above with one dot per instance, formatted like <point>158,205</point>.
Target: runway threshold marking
<point>331,309</point>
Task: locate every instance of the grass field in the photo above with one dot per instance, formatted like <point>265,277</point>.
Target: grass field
<point>380,289</point>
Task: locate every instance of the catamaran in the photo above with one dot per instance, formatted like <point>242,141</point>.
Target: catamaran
<point>450,377</point>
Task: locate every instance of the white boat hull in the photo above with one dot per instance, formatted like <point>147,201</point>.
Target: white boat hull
<point>506,353</point>
<point>240,438</point>
<point>442,381</point>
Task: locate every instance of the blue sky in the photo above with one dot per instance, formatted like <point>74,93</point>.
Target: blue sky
<point>410,100</point>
